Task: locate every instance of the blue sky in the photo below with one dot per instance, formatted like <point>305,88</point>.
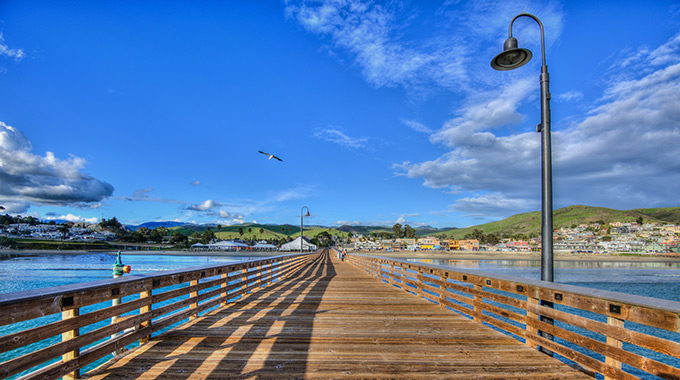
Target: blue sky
<point>382,112</point>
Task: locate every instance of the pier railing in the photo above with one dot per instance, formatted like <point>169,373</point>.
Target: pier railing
<point>55,332</point>
<point>617,335</point>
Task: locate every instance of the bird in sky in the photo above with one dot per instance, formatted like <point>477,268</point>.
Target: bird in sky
<point>270,155</point>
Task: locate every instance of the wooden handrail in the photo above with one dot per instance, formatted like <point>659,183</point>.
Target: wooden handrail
<point>71,326</point>
<point>589,324</point>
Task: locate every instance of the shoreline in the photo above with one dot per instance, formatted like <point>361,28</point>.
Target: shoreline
<point>462,255</point>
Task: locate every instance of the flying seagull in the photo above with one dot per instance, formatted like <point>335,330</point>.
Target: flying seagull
<point>270,155</point>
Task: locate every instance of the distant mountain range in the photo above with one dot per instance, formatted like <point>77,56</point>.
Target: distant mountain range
<point>527,223</point>
<point>288,228</point>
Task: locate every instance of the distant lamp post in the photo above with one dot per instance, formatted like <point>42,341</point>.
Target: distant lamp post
<point>511,58</point>
<point>301,223</point>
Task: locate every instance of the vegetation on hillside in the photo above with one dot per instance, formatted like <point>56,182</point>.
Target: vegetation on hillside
<point>529,224</point>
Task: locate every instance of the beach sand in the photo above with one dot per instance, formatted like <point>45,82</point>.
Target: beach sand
<point>457,255</point>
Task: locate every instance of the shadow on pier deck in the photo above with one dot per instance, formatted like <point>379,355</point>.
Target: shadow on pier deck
<point>330,320</point>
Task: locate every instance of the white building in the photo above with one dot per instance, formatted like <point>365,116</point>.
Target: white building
<point>295,245</point>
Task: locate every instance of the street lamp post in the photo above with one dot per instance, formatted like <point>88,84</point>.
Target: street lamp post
<point>301,224</point>
<point>511,58</point>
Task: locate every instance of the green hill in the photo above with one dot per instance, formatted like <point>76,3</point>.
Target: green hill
<point>530,223</point>
<point>269,232</point>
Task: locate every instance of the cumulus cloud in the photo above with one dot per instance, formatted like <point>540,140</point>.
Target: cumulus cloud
<point>29,178</point>
<point>493,205</point>
<point>490,112</point>
<point>338,137</point>
<point>214,209</point>
<point>195,183</point>
<point>14,207</point>
<point>621,154</point>
<point>205,206</point>
<point>71,218</point>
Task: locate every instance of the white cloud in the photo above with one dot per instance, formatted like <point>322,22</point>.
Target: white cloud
<point>378,38</point>
<point>338,137</point>
<point>73,218</point>
<point>27,177</point>
<point>621,154</point>
<point>493,205</point>
<point>469,129</point>
<point>290,194</point>
<point>195,183</point>
<point>570,96</point>
<point>142,193</point>
<point>229,215</point>
<point>347,223</point>
<point>370,33</point>
<point>417,126</point>
<point>205,206</point>
<point>17,54</point>
<point>14,207</point>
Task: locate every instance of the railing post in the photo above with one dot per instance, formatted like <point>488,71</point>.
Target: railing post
<point>419,282</point>
<point>442,290</point>
<point>142,310</point>
<point>531,331</point>
<point>390,277</point>
<point>244,279</point>
<point>72,334</point>
<point>477,304</point>
<point>115,302</point>
<point>548,320</point>
<point>224,285</point>
<point>193,295</point>
<point>259,275</point>
<point>614,343</point>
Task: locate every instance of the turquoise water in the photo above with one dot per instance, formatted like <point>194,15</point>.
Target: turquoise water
<point>32,272</point>
<point>659,280</point>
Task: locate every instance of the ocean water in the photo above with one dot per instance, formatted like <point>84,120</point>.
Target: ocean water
<point>32,272</point>
<point>659,280</point>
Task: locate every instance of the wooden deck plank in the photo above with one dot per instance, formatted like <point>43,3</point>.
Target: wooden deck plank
<point>331,320</point>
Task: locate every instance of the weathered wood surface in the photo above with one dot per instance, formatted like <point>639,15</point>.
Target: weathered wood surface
<point>330,320</point>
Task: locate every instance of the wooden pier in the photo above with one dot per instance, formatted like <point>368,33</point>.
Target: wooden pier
<point>331,320</point>
<point>314,316</point>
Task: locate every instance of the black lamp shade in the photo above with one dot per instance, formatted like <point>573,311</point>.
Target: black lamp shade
<point>511,59</point>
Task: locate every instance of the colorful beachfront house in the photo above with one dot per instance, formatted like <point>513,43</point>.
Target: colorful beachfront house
<point>450,245</point>
<point>520,246</point>
<point>469,245</point>
<point>405,242</point>
<point>429,242</point>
